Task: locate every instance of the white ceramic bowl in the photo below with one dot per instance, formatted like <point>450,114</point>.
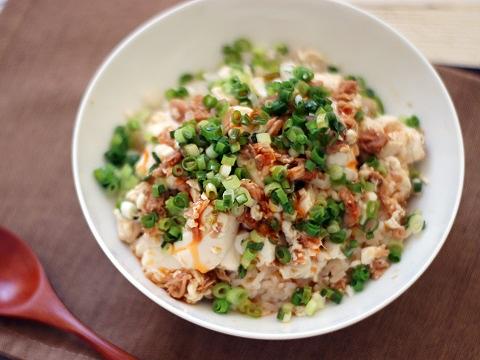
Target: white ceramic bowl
<point>189,37</point>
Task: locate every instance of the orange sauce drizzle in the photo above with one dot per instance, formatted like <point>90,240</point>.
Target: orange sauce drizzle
<point>144,160</point>
<point>352,164</point>
<point>193,247</point>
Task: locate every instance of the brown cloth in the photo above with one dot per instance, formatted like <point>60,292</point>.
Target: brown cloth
<point>48,52</point>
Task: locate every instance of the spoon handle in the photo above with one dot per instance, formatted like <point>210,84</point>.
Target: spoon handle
<point>53,312</point>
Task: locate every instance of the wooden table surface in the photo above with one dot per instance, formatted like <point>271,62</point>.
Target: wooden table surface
<point>48,52</point>
<point>446,31</point>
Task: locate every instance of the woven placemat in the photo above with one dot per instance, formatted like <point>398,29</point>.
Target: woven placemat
<point>48,52</point>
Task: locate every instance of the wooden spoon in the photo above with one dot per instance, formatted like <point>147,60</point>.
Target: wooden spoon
<point>25,292</point>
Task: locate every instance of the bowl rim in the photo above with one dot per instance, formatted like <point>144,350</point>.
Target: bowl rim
<point>230,330</point>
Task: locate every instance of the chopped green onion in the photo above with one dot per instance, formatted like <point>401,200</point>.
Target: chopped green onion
<point>235,147</point>
<point>181,200</point>
<point>164,224</point>
<point>177,170</point>
<point>280,196</point>
<point>228,198</point>
<point>210,152</point>
<point>355,187</point>
<point>255,246</point>
<point>395,252</point>
<point>191,150</point>
<point>185,78</point>
<point>148,220</point>
<point>241,173</point>
<point>247,257</point>
<point>179,219</point>
<point>236,117</point>
<point>156,158</point>
<point>241,190</point>
<point>417,184</point>
<point>241,199</point>
<point>221,108</point>
<point>318,157</point>
<point>210,101</point>
<point>311,228</point>
<point>275,107</point>
<point>335,172</point>
<point>219,205</point>
<point>415,223</point>
<point>351,246</point>
<point>315,304</point>
<point>281,49</point>
<point>302,73</point>
<point>318,213</point>
<point>285,312</point>
<point>370,225</point>
<point>158,189</point>
<point>271,187</point>
<point>372,209</point>
<point>221,147</point>
<point>211,191</point>
<point>181,92</point>
<point>338,237</point>
<point>238,89</point>
<point>211,131</point>
<point>302,88</point>
<point>188,131</point>
<point>279,173</point>
<point>133,124</point>
<point>234,133</point>
<point>333,227</point>
<point>229,160</point>
<point>255,236</point>
<point>301,295</point>
<point>413,122</point>
<point>310,165</point>
<point>201,162</point>
<point>236,295</point>
<point>333,123</point>
<point>359,115</point>
<point>242,44</point>
<point>242,272</point>
<point>249,308</point>
<point>231,182</point>
<point>107,178</point>
<point>296,135</point>
<point>220,290</point>
<point>377,165</point>
<point>360,274</point>
<point>221,306</point>
<point>282,254</point>
<point>225,170</point>
<point>176,204</point>
<point>332,69</point>
<point>264,138</point>
<point>175,231</point>
<point>332,294</point>
<point>260,118</point>
<point>189,163</point>
<point>179,137</point>
<point>213,165</point>
<point>274,224</point>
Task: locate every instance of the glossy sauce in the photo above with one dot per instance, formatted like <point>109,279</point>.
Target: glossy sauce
<point>197,238</point>
<point>144,161</point>
<point>193,247</point>
<point>352,165</point>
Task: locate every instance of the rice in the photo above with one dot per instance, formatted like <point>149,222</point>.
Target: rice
<point>272,185</point>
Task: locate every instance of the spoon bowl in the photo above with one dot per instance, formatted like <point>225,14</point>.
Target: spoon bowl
<point>20,273</point>
<point>25,292</point>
